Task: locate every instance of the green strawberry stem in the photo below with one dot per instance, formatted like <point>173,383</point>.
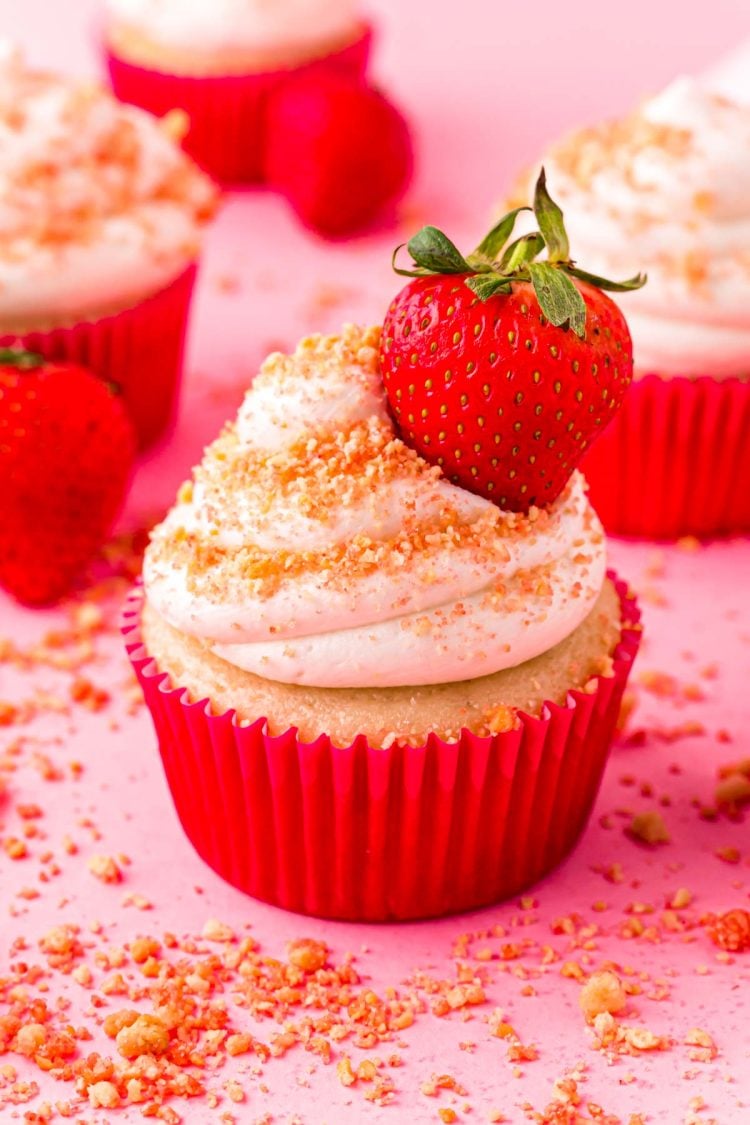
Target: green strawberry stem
<point>494,265</point>
<point>20,358</point>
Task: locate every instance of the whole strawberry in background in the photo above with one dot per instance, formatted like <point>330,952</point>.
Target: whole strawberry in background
<point>338,150</point>
<point>500,368</point>
<point>67,449</point>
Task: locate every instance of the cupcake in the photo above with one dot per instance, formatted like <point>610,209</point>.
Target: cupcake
<point>667,189</point>
<point>221,61</point>
<point>101,217</point>
<point>376,694</point>
<point>376,632</point>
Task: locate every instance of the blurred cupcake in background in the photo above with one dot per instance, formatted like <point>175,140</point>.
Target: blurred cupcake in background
<point>667,190</point>
<point>101,217</point>
<point>221,60</point>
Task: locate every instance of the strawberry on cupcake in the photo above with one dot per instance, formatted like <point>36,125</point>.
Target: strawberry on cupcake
<point>493,391</point>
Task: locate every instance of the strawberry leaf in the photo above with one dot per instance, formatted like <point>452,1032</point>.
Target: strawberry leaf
<point>486,285</point>
<point>603,283</point>
<point>520,252</point>
<point>493,243</point>
<point>434,251</point>
<point>558,297</point>
<point>494,264</point>
<point>550,219</point>
<point>20,358</point>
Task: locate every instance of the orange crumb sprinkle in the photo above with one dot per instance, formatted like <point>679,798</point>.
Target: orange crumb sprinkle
<point>105,869</point>
<point>649,828</point>
<point>308,955</point>
<point>731,930</point>
<point>602,992</point>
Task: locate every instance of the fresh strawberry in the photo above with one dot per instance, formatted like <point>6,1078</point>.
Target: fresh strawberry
<point>503,369</point>
<point>338,150</point>
<point>66,451</point>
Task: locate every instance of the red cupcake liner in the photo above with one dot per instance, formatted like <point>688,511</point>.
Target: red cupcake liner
<point>227,113</point>
<point>393,834</point>
<point>140,349</point>
<point>675,460</point>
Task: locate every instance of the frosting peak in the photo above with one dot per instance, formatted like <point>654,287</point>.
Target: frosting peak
<point>314,547</point>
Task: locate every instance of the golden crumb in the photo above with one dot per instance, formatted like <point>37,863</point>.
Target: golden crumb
<point>308,954</point>
<point>105,869</point>
<point>115,1021</point>
<point>702,1045</point>
<point>733,790</point>
<point>214,930</point>
<point>602,992</point>
<point>347,1077</point>
<point>146,1035</point>
<point>103,1095</point>
<point>649,828</point>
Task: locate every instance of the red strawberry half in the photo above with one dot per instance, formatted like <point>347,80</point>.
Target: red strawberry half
<point>503,369</point>
<point>66,452</point>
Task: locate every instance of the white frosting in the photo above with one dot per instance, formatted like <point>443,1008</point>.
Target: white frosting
<point>214,26</point>
<point>312,466</point>
<point>730,76</point>
<point>667,192</point>
<point>98,206</point>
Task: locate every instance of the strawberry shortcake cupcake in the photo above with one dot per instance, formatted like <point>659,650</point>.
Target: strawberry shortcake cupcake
<point>667,189</point>
<point>377,635</point>
<point>101,216</point>
<point>222,60</point>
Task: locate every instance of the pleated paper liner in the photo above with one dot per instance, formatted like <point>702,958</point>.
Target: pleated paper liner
<point>139,349</point>
<point>675,461</point>
<point>384,834</point>
<point>227,113</point>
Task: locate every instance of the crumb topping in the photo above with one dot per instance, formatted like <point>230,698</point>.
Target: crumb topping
<point>596,149</point>
<point>328,469</point>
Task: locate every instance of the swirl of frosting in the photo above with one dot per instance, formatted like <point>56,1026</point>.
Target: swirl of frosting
<point>667,191</point>
<point>98,205</point>
<point>314,547</point>
<point>219,26</point>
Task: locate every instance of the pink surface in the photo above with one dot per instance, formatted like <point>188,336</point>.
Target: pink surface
<point>264,283</point>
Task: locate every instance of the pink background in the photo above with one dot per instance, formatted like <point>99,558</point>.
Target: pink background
<point>486,84</point>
